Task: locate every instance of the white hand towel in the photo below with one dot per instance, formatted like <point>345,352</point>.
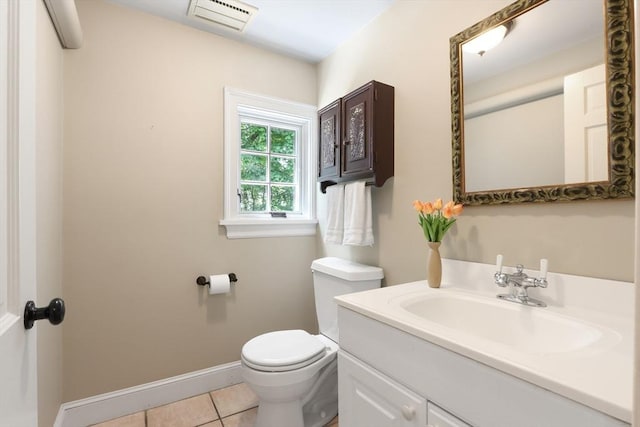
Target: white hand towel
<point>358,230</point>
<point>335,214</point>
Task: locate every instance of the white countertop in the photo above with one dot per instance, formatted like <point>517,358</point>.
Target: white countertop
<point>599,376</point>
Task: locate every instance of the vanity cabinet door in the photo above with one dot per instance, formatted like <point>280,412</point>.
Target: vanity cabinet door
<point>367,398</point>
<point>329,141</point>
<point>438,417</point>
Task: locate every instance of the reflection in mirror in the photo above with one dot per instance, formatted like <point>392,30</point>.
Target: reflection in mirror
<point>534,116</point>
<point>519,88</point>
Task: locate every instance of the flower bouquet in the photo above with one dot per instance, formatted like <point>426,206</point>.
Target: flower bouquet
<point>435,219</point>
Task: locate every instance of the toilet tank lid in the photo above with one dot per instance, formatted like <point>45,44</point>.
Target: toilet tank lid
<point>346,270</point>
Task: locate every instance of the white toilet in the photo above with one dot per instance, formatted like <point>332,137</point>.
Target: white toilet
<point>295,374</point>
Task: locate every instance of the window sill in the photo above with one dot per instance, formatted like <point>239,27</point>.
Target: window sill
<point>253,228</point>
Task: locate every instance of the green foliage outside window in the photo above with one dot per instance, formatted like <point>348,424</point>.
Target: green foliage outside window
<point>268,169</point>
<point>282,198</point>
<point>253,137</point>
<point>253,167</point>
<point>283,169</point>
<point>283,141</point>
<point>253,198</point>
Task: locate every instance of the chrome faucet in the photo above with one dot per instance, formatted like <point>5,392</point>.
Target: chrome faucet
<point>520,282</point>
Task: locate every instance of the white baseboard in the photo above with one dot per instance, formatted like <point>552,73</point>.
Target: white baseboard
<point>103,407</point>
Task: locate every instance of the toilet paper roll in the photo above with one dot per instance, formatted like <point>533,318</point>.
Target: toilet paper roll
<point>219,284</point>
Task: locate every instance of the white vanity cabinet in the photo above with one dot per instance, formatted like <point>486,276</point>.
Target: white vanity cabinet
<point>369,398</point>
<point>390,378</point>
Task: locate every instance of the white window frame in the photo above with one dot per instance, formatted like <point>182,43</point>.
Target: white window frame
<point>240,105</point>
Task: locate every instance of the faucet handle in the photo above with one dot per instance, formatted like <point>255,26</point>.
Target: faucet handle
<point>541,281</point>
<point>499,277</point>
<point>544,266</point>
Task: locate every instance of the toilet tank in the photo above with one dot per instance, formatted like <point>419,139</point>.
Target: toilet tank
<point>335,276</point>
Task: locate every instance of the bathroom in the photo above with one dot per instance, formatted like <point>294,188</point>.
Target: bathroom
<point>131,180</point>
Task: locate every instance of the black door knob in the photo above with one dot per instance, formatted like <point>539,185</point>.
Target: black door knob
<point>54,312</point>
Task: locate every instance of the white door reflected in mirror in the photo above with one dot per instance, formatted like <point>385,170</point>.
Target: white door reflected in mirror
<point>586,153</point>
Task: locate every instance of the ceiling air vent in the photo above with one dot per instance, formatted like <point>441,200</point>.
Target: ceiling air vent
<point>229,13</point>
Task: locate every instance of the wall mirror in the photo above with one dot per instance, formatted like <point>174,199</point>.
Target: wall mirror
<point>547,114</point>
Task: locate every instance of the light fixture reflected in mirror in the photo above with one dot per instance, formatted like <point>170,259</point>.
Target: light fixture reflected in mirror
<point>487,40</point>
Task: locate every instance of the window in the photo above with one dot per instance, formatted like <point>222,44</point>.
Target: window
<point>268,173</point>
<point>269,166</point>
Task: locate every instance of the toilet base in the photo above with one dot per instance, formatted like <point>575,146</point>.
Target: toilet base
<point>315,409</point>
<point>268,413</point>
<point>322,403</point>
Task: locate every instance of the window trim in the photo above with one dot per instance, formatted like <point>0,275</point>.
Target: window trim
<point>239,104</point>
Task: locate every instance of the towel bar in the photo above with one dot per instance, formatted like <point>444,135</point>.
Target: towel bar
<point>325,184</point>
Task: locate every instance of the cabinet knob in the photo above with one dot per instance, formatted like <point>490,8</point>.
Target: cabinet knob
<point>408,412</point>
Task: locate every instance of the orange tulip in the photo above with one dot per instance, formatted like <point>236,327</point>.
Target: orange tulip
<point>428,208</point>
<point>450,210</point>
<point>417,205</point>
<point>447,211</point>
<point>437,205</point>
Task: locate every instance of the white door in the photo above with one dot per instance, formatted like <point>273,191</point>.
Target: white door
<point>585,125</point>
<point>18,385</point>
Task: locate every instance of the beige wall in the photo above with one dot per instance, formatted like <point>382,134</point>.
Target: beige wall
<point>49,115</point>
<point>493,160</point>
<point>408,47</point>
<point>143,197</point>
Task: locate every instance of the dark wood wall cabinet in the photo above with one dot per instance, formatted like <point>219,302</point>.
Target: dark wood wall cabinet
<point>356,137</point>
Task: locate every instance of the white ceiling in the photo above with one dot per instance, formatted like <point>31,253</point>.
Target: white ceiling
<point>306,29</point>
<point>550,28</point>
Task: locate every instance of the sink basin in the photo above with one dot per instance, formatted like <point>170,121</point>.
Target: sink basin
<point>526,329</point>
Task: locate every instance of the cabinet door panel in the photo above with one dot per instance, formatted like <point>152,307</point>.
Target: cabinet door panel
<point>357,113</point>
<point>369,399</point>
<point>438,417</point>
<point>329,141</point>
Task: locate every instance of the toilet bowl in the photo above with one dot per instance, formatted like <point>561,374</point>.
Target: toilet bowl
<point>284,385</point>
<point>293,373</point>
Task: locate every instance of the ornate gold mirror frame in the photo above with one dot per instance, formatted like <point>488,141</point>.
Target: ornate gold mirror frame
<point>621,115</point>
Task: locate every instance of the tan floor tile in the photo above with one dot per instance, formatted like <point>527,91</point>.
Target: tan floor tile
<point>333,422</point>
<point>243,419</point>
<point>213,424</point>
<point>234,399</point>
<point>184,413</point>
<point>133,420</point>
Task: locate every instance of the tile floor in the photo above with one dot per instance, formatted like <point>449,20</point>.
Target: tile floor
<point>234,406</point>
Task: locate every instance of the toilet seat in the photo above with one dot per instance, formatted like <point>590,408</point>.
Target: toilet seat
<point>282,351</point>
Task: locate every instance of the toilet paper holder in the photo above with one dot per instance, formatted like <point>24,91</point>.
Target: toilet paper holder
<point>204,281</point>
